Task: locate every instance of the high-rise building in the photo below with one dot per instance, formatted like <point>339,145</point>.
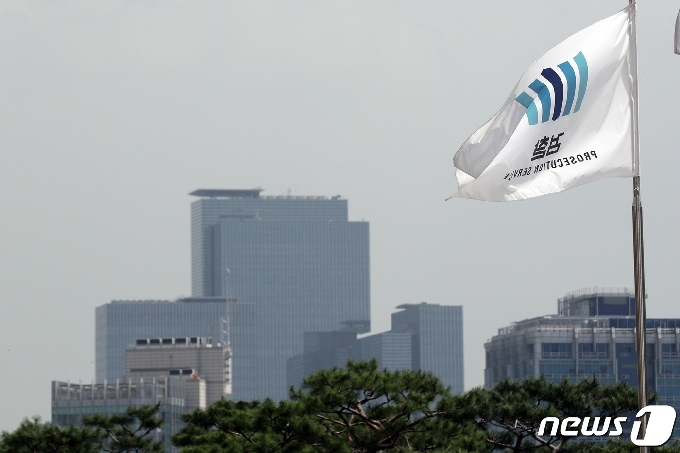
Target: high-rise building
<point>294,264</point>
<point>298,261</point>
<point>254,246</point>
<point>593,334</point>
<point>424,336</point>
<point>437,346</point>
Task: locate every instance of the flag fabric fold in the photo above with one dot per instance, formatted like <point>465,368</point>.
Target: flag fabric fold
<point>567,122</point>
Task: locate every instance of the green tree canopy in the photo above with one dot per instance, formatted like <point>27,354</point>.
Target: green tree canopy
<point>34,436</point>
<point>129,432</point>
<point>354,409</point>
<point>240,427</point>
<point>357,409</point>
<point>361,409</point>
<point>511,412</point>
<point>372,410</point>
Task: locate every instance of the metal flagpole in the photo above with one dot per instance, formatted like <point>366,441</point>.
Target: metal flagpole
<point>638,246</point>
<point>640,309</point>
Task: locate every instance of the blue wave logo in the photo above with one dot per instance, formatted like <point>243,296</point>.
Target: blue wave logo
<point>544,96</point>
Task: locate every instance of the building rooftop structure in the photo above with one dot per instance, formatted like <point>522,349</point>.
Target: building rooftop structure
<point>404,306</point>
<point>598,301</point>
<point>227,193</point>
<point>254,193</point>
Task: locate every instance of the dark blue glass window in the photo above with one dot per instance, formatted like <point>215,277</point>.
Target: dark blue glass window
<point>556,350</point>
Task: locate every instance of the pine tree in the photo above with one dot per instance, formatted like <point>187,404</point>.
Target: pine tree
<point>34,436</point>
<point>511,412</point>
<point>129,432</point>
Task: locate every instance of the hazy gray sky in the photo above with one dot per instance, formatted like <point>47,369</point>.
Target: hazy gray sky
<point>111,112</point>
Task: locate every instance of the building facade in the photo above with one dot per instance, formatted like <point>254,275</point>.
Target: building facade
<point>72,402</point>
<point>392,350</point>
<point>217,244</point>
<point>196,357</point>
<point>593,334</point>
<point>295,265</point>
<point>437,332</point>
<point>426,337</point>
<point>321,351</point>
<point>180,374</point>
<point>297,261</point>
<point>121,323</point>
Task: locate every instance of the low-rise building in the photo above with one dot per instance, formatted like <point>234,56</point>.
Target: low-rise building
<point>71,402</point>
<point>182,374</point>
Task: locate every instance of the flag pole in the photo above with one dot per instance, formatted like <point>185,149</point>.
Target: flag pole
<point>638,245</point>
<point>640,309</point>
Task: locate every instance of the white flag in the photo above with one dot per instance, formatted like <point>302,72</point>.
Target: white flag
<point>677,34</point>
<point>566,123</point>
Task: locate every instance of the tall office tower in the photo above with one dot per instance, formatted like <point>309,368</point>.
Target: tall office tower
<point>294,264</point>
<point>217,212</point>
<point>297,261</point>
<point>593,334</point>
<point>437,339</point>
<point>426,337</point>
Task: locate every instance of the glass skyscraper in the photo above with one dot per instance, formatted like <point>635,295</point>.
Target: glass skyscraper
<point>294,264</point>
<point>437,346</point>
<point>424,336</point>
<point>218,209</point>
<point>593,334</point>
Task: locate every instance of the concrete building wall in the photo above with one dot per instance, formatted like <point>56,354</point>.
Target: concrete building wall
<point>165,356</point>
